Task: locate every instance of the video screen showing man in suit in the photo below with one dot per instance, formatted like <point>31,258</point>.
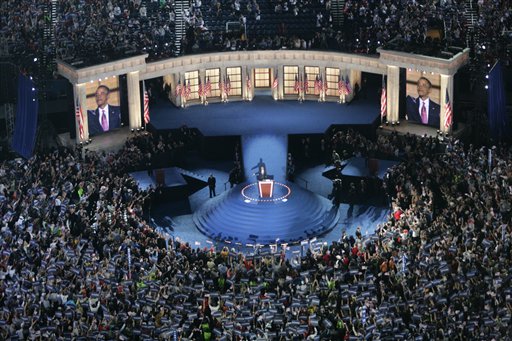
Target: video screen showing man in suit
<point>106,116</point>
<point>423,109</point>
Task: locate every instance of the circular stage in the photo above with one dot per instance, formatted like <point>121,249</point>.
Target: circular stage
<point>292,215</point>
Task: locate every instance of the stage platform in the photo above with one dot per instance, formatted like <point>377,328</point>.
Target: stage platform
<point>418,129</point>
<point>358,167</point>
<point>235,218</point>
<point>174,183</point>
<point>264,115</point>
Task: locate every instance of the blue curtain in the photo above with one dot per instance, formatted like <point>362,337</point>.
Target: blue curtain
<point>496,106</point>
<point>24,137</point>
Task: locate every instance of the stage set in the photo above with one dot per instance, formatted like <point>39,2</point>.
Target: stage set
<point>263,107</point>
<point>265,209</point>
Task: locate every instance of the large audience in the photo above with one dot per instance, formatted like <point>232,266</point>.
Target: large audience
<point>79,260</point>
<point>88,32</point>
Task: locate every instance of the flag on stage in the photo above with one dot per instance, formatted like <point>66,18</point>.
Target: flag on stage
<point>80,119</point>
<point>383,100</point>
<point>341,85</point>
<point>348,87</point>
<point>146,104</point>
<point>208,87</point>
<point>179,89</point>
<point>448,114</point>
<point>318,86</point>
<point>296,85</point>
<point>276,81</point>
<point>188,90</point>
<point>200,90</point>
<point>248,82</point>
<point>228,85</point>
<point>306,84</point>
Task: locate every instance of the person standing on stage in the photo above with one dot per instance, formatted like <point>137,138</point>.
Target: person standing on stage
<point>211,185</point>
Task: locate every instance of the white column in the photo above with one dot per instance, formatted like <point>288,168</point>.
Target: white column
<point>446,84</point>
<point>81,97</point>
<point>134,100</point>
<point>354,77</point>
<point>393,90</point>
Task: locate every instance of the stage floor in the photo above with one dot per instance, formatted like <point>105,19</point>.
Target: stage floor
<point>264,115</point>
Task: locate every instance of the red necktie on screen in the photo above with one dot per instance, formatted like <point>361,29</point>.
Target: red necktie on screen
<point>104,122</point>
<point>424,118</point>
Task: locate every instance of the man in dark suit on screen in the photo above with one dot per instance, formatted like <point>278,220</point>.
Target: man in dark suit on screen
<point>106,117</point>
<point>422,109</point>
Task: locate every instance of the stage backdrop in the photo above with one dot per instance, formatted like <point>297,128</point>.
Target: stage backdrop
<point>272,149</point>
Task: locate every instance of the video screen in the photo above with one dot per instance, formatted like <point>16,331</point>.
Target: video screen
<point>103,106</point>
<point>423,92</point>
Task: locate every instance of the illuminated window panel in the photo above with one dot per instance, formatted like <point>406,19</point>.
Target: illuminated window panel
<point>332,76</point>
<point>311,72</point>
<point>235,79</point>
<point>262,78</point>
<point>214,76</point>
<point>192,78</point>
<point>290,73</point>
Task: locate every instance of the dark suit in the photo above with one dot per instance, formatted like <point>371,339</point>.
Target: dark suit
<point>93,117</point>
<point>413,111</point>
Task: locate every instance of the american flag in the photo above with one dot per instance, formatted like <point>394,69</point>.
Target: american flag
<point>318,85</point>
<point>80,118</point>
<point>200,91</point>
<point>383,100</point>
<point>208,87</point>
<point>276,82</point>
<point>179,89</point>
<point>248,81</point>
<point>306,84</point>
<point>348,87</point>
<point>146,104</point>
<point>341,85</point>
<point>296,85</point>
<point>228,85</point>
<point>448,114</point>
<point>188,90</point>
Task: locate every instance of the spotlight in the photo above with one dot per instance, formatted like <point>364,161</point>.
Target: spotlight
<point>392,124</point>
<point>387,123</point>
<point>483,47</point>
<point>438,132</point>
<point>142,128</point>
<point>133,130</point>
<point>486,86</point>
<point>138,129</point>
<point>284,200</point>
<point>247,201</point>
<point>486,76</point>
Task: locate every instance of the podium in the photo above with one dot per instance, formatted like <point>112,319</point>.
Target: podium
<point>266,188</point>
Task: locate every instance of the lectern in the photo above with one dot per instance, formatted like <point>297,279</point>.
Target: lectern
<point>266,188</point>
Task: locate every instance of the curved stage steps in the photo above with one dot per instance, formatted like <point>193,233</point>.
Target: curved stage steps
<point>232,217</point>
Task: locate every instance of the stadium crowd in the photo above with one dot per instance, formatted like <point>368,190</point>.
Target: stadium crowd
<point>78,259</point>
<point>95,32</point>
